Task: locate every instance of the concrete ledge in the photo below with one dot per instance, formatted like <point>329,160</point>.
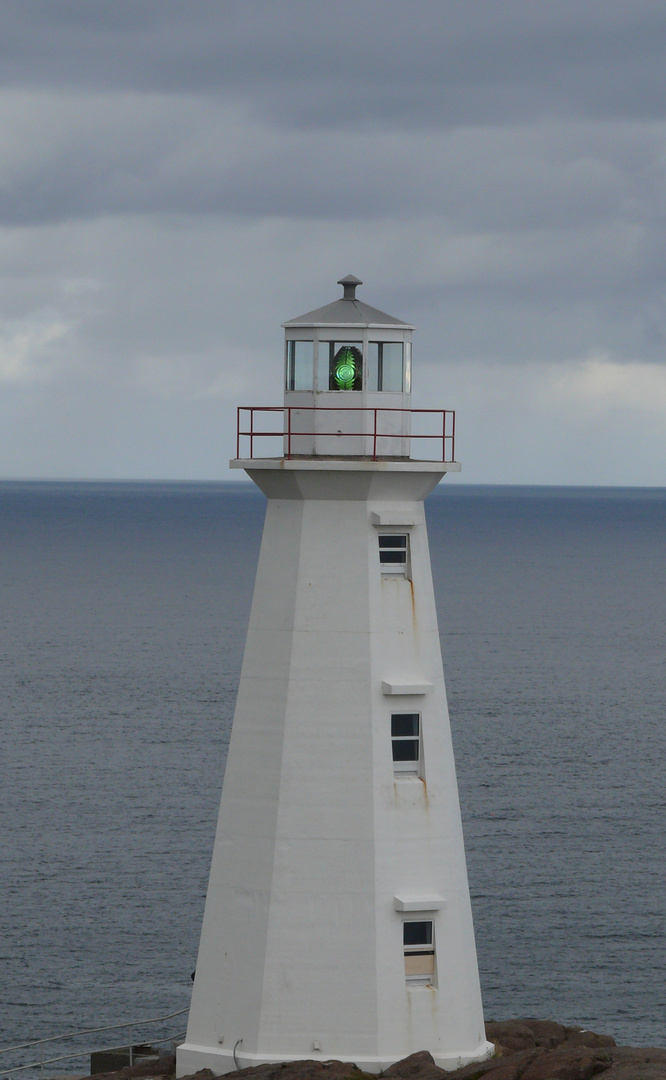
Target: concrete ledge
<point>321,464</point>
<point>395,518</point>
<point>429,902</point>
<point>404,688</point>
<point>191,1058</point>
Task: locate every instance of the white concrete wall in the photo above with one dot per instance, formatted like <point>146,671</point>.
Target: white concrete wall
<point>317,424</point>
<point>301,944</point>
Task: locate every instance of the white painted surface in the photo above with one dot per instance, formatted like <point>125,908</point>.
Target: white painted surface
<point>413,689</point>
<point>337,423</point>
<point>418,903</point>
<point>301,943</point>
<point>395,519</point>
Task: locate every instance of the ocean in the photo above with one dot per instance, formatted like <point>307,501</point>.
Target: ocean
<point>123,611</point>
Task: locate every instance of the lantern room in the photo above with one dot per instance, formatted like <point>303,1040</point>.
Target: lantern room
<point>348,370</point>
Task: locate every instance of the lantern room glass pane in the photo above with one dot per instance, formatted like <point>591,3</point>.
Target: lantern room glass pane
<point>300,355</point>
<point>391,368</point>
<point>373,366</point>
<point>385,371</point>
<point>407,382</point>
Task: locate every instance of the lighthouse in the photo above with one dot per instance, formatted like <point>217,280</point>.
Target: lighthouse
<point>338,921</point>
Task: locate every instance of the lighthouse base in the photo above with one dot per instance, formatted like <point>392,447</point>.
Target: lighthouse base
<point>191,1059</point>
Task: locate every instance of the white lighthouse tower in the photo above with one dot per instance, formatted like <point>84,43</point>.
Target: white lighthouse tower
<point>338,920</point>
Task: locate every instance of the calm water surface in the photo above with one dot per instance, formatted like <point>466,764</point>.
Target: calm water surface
<point>123,610</point>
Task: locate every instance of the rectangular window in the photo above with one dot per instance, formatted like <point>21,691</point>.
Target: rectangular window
<point>406,742</point>
<point>385,371</point>
<point>391,366</point>
<point>419,946</point>
<point>393,553</point>
<point>299,365</point>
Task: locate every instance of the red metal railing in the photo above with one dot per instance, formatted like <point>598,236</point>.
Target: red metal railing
<point>444,436</point>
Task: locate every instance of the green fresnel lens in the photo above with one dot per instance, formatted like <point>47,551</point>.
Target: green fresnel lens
<point>344,372</point>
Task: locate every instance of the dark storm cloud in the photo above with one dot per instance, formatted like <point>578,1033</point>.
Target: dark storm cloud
<point>354,62</point>
<point>485,113</point>
<point>78,158</point>
<point>571,210</point>
<point>178,178</point>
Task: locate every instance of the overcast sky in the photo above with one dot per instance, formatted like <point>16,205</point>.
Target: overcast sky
<point>178,177</point>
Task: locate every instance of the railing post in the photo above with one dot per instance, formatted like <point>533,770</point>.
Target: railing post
<point>238,417</point>
<point>289,433</point>
<point>374,441</point>
<point>251,431</point>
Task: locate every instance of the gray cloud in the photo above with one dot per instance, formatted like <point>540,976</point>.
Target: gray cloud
<point>74,158</point>
<point>348,63</point>
<point>176,179</point>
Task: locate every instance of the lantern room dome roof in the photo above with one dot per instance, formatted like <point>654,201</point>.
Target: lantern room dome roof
<point>347,311</point>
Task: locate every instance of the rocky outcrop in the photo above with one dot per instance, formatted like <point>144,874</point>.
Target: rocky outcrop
<point>162,1066</point>
<point>524,1050</point>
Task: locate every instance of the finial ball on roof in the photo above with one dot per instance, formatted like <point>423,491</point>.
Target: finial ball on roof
<point>349,284</point>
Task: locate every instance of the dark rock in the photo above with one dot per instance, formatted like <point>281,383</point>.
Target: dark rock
<point>546,1032</point>
<point>581,1056</point>
<point>420,1066</point>
<point>510,1035</point>
<point>302,1070</point>
<point>567,1063</point>
<point>509,1066</point>
<point>637,1063</point>
<point>639,1070</point>
<point>159,1065</point>
<point>640,1054</point>
<point>582,1037</point>
<point>203,1074</point>
<point>523,1034</point>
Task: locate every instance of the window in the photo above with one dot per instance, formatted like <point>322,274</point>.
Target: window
<point>419,946</point>
<point>385,371</point>
<point>393,553</point>
<point>345,364</point>
<point>406,742</point>
<point>299,365</point>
